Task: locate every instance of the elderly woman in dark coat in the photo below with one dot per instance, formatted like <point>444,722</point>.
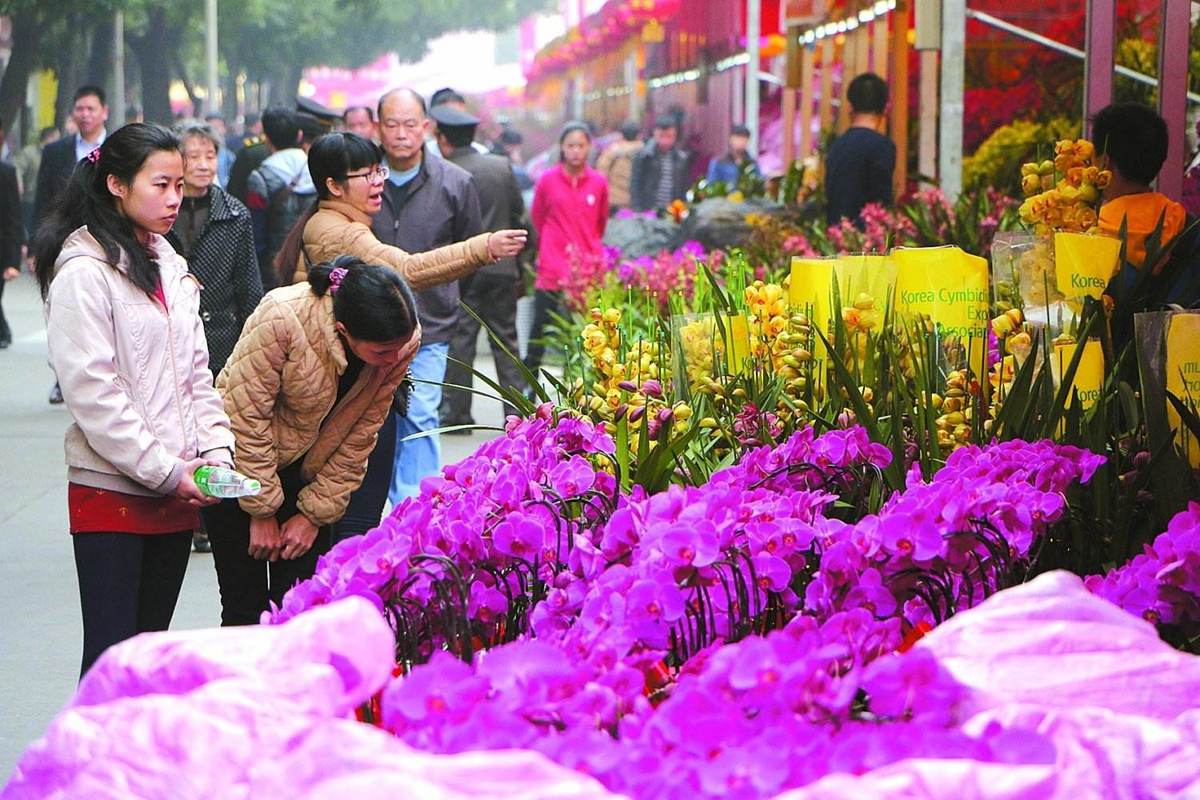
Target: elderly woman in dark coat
<point>213,233</point>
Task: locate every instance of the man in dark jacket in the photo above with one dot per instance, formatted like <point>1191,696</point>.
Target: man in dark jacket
<point>90,112</point>
<point>492,291</point>
<point>660,169</point>
<point>427,203</point>
<point>255,149</point>
<point>251,152</point>
<point>12,236</point>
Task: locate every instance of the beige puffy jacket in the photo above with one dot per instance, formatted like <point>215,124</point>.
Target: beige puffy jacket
<point>134,374</point>
<point>280,386</point>
<point>338,228</point>
<point>616,164</point>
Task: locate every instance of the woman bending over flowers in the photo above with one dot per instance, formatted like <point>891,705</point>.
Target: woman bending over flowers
<point>307,388</point>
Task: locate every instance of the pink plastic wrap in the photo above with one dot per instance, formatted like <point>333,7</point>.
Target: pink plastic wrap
<point>1053,643</point>
<point>1083,695</point>
<point>1049,659</point>
<point>258,712</point>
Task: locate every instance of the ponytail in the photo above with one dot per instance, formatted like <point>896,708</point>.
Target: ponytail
<point>86,200</point>
<point>289,254</point>
<point>373,302</point>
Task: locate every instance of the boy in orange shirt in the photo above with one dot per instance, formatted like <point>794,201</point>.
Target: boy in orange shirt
<point>1132,139</point>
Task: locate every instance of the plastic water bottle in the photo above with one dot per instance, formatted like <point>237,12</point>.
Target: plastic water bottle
<point>224,482</point>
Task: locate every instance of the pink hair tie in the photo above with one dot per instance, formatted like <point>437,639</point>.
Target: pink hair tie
<point>335,279</point>
<point>94,156</point>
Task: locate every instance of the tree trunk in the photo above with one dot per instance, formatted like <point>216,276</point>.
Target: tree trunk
<point>198,110</point>
<point>284,92</point>
<point>100,63</point>
<point>154,48</point>
<point>27,30</point>
<point>229,107</point>
<point>69,62</point>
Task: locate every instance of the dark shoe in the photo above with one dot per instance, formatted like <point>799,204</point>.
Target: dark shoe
<point>5,342</point>
<point>56,397</point>
<point>200,542</point>
<point>460,431</point>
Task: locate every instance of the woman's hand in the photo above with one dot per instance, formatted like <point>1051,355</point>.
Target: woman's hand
<point>505,244</point>
<point>297,535</point>
<point>11,272</point>
<point>187,490</point>
<point>265,542</point>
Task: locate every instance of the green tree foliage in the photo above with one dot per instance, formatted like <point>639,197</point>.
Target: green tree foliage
<point>270,41</point>
<point>274,40</point>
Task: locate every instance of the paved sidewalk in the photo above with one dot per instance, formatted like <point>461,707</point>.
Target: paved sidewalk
<point>40,635</point>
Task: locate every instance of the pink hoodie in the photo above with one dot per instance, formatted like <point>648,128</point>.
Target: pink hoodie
<point>567,212</point>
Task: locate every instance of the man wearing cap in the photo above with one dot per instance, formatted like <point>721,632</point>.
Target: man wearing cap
<point>452,99</point>
<point>327,116</point>
<point>492,291</point>
<point>428,202</point>
<point>252,151</point>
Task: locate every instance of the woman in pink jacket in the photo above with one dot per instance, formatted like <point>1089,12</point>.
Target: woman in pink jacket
<point>127,345</point>
<point>570,210</point>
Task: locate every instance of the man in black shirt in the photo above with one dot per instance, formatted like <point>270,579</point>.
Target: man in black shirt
<point>860,163</point>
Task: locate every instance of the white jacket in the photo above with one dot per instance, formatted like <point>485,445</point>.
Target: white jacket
<point>134,375</point>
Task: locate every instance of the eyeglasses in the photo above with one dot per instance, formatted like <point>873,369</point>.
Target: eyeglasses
<point>377,174</point>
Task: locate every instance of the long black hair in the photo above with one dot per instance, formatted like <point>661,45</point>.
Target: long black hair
<point>86,200</point>
<point>373,302</point>
<point>334,155</point>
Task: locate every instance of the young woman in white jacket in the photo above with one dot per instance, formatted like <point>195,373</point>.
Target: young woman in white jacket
<point>127,345</point>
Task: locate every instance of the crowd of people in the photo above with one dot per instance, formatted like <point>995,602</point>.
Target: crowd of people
<point>289,303</point>
<point>302,302</point>
<point>259,311</point>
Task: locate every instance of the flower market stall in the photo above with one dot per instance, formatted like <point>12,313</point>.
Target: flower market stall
<point>839,513</point>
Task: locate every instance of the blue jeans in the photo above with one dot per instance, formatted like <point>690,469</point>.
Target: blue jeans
<point>366,502</point>
<point>420,458</point>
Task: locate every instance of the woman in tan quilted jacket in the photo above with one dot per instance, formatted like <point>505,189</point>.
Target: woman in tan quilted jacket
<point>349,174</point>
<point>306,389</point>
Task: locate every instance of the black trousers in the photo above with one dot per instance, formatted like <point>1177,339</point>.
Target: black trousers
<point>494,299</point>
<point>128,584</point>
<point>366,502</point>
<point>544,303</point>
<point>5,331</point>
<point>248,585</point>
